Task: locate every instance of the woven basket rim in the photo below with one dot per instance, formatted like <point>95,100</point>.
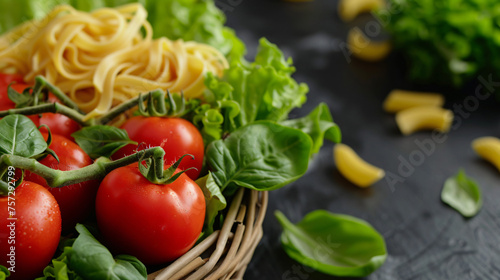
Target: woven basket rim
<point>230,249</point>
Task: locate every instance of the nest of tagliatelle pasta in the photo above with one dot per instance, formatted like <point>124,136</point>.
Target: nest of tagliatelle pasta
<point>157,100</point>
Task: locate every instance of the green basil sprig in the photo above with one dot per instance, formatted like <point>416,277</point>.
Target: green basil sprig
<point>334,244</point>
<point>101,140</point>
<point>87,258</point>
<point>20,137</point>
<point>262,156</point>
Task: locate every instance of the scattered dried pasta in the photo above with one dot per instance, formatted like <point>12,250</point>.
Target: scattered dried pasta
<point>399,100</point>
<point>422,118</point>
<point>364,48</point>
<point>350,9</point>
<point>355,169</point>
<point>489,149</point>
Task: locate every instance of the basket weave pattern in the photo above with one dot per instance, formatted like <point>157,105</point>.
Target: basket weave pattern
<point>226,253</point>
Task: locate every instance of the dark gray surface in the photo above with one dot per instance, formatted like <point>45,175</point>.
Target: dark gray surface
<point>425,238</point>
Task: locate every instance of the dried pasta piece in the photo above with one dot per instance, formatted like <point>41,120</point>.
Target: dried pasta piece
<point>364,48</point>
<point>424,118</point>
<point>354,168</point>
<point>399,100</point>
<point>489,149</point>
<point>350,9</point>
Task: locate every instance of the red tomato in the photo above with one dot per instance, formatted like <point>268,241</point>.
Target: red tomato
<point>176,136</point>
<point>58,124</point>
<point>76,201</point>
<point>34,236</point>
<point>6,79</point>
<point>155,223</point>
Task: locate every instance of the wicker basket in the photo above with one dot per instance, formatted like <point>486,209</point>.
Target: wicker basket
<point>226,253</point>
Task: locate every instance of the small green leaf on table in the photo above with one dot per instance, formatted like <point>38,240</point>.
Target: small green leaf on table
<point>334,244</point>
<point>463,194</point>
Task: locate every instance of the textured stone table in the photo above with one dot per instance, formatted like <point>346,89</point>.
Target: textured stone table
<point>425,238</point>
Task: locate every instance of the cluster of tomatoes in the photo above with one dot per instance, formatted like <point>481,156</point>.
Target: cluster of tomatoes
<point>155,223</point>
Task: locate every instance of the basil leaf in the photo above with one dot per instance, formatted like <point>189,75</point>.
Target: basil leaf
<point>20,137</point>
<point>214,201</point>
<point>463,194</point>
<point>101,140</point>
<point>20,99</point>
<point>91,260</point>
<point>86,258</point>
<point>261,156</point>
<point>4,272</point>
<point>319,125</point>
<point>334,244</point>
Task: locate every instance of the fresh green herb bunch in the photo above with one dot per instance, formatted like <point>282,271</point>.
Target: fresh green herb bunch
<point>448,42</point>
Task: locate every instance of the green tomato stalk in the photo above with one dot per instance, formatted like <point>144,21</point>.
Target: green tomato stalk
<point>159,104</point>
<point>153,169</point>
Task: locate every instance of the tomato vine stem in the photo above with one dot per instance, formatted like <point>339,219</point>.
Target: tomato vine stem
<point>41,84</point>
<point>70,109</point>
<point>95,171</point>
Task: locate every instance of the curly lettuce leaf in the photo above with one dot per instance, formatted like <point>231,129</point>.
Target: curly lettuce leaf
<point>445,41</point>
<point>215,201</point>
<point>318,125</point>
<point>249,92</point>
<point>194,20</point>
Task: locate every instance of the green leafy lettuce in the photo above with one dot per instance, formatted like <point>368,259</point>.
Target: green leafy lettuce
<point>249,92</point>
<point>446,41</point>
<point>318,125</point>
<point>214,200</point>
<point>4,272</point>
